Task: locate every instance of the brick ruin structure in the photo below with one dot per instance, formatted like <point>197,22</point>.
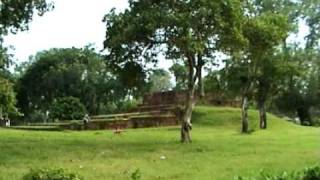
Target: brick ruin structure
<point>179,98</point>
<point>158,109</point>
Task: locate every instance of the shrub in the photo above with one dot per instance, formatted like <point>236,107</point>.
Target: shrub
<point>136,175</point>
<point>308,174</point>
<point>37,116</point>
<point>67,108</point>
<point>51,174</point>
<point>265,176</point>
<point>311,173</point>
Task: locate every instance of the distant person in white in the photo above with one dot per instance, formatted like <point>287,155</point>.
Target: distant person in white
<point>7,120</point>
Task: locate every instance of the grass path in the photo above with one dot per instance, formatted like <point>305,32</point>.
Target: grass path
<point>218,150</point>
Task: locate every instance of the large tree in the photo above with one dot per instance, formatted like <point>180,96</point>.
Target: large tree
<point>58,73</point>
<point>15,15</point>
<point>265,30</point>
<point>191,31</point>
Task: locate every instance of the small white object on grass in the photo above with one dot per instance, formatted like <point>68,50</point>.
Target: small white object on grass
<point>162,157</point>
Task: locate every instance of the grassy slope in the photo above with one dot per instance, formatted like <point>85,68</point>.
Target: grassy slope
<point>219,151</point>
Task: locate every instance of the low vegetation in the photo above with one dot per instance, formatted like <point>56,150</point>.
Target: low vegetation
<point>218,151</point>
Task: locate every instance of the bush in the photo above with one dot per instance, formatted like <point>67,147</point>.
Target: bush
<point>311,173</point>
<point>51,174</point>
<point>127,105</point>
<point>136,175</point>
<point>67,108</point>
<point>308,174</point>
<point>37,116</point>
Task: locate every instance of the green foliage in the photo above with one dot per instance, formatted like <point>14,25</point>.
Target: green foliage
<point>137,33</point>
<point>15,15</point>
<point>58,73</point>
<point>7,98</point>
<point>132,78</point>
<point>311,14</point>
<point>300,90</point>
<point>68,108</point>
<point>125,106</point>
<point>136,175</point>
<point>160,80</point>
<point>180,73</point>
<point>51,174</point>
<point>37,116</point>
<point>312,173</point>
<point>265,31</point>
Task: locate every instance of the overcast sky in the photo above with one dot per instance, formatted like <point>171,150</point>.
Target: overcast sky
<point>73,23</point>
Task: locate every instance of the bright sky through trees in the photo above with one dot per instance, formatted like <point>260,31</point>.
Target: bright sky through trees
<point>73,23</point>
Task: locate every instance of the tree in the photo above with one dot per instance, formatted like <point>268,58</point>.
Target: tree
<point>180,73</point>
<point>7,98</point>
<point>301,89</point>
<point>67,108</point>
<point>311,14</point>
<point>160,80</point>
<point>58,73</point>
<point>191,31</point>
<point>15,15</point>
<point>132,78</point>
<point>264,31</point>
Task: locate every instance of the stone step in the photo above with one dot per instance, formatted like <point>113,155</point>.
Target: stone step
<point>126,114</point>
<point>133,122</point>
<point>161,108</point>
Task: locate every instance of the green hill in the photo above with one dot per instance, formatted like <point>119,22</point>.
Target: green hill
<point>219,151</point>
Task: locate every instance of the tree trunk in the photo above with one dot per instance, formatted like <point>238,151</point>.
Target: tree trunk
<point>262,114</point>
<point>245,123</point>
<point>304,115</point>
<point>200,83</point>
<point>186,126</point>
<point>199,76</point>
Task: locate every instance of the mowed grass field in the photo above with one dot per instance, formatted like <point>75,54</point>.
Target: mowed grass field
<point>219,151</point>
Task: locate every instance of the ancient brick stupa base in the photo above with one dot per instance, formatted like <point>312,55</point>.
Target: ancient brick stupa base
<point>158,109</point>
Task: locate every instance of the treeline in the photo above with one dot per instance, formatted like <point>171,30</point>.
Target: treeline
<point>78,79</point>
<point>264,64</point>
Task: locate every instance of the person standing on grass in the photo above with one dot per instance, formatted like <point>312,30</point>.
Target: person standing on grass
<point>86,120</point>
<point>7,121</point>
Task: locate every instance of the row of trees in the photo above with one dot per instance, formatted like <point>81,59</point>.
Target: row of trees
<point>261,64</point>
<point>252,33</point>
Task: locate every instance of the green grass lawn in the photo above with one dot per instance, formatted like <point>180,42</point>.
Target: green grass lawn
<point>219,151</point>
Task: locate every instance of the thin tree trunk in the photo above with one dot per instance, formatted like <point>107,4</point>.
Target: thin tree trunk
<point>186,125</point>
<point>245,123</point>
<point>262,114</point>
<point>199,76</point>
<point>200,83</point>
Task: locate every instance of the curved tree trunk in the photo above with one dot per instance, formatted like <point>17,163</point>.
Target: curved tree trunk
<point>244,109</point>
<point>186,125</point>
<point>262,114</point>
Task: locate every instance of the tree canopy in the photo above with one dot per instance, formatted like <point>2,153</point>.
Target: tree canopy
<point>191,31</point>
